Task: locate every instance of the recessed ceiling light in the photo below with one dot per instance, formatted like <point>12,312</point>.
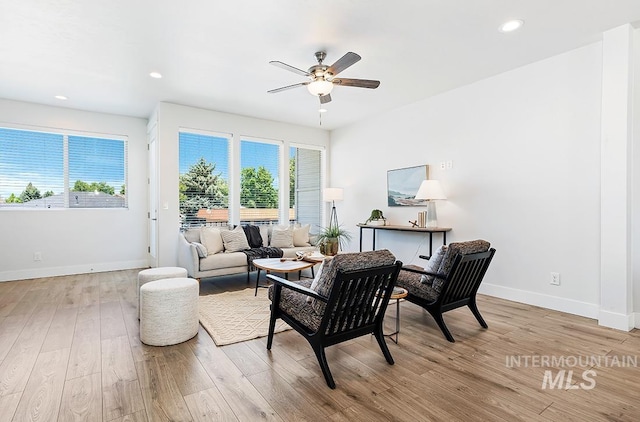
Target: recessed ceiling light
<point>61,97</point>
<point>323,110</point>
<point>511,25</point>
<point>156,75</point>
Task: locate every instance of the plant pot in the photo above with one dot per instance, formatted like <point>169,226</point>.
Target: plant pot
<point>330,247</point>
<point>376,223</point>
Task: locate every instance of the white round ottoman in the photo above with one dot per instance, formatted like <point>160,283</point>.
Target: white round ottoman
<point>153,274</point>
<point>169,311</point>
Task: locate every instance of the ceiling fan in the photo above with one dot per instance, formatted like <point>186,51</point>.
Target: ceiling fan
<point>322,78</point>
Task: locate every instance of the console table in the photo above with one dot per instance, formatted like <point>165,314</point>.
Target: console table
<point>429,230</point>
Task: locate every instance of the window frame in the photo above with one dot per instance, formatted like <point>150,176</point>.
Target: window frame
<point>66,133</point>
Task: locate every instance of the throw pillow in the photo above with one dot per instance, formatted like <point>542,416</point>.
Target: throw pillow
<point>211,238</point>
<point>192,235</point>
<point>314,283</point>
<point>253,236</point>
<point>433,265</point>
<point>281,237</point>
<point>301,235</point>
<point>234,240</point>
<point>264,234</point>
<point>201,249</point>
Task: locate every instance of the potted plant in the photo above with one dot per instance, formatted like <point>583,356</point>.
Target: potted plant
<point>331,239</point>
<point>376,219</point>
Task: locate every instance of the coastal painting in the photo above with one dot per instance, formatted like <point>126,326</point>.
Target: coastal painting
<point>403,184</point>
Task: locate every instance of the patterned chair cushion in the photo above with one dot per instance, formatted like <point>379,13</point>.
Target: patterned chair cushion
<point>295,304</point>
<point>348,262</point>
<point>454,249</point>
<point>413,283</point>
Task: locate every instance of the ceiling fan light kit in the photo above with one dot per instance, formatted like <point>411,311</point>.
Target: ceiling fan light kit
<point>320,87</point>
<point>322,77</point>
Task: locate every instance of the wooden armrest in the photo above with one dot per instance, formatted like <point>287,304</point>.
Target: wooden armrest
<point>296,287</point>
<point>427,257</point>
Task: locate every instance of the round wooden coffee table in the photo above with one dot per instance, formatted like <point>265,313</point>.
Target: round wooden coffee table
<point>279,265</point>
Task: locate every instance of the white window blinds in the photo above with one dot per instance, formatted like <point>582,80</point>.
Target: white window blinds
<point>204,178</point>
<point>36,166</point>
<point>259,181</point>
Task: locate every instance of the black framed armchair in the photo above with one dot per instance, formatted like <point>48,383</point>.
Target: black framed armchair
<point>453,284</point>
<point>349,301</point>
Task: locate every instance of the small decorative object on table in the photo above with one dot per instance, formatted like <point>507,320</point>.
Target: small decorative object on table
<point>376,219</point>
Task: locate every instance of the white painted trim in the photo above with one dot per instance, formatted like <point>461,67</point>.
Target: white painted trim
<point>70,270</point>
<point>575,307</point>
<point>616,320</point>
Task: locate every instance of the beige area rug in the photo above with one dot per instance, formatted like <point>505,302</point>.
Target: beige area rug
<point>232,317</point>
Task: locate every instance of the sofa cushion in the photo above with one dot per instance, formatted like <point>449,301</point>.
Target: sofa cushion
<point>281,237</point>
<point>211,238</point>
<point>234,240</point>
<point>348,262</point>
<point>301,235</point>
<point>224,260</point>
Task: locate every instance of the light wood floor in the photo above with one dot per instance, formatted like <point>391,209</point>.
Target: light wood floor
<point>69,351</point>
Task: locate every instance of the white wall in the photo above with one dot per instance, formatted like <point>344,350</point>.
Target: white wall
<point>171,118</point>
<point>525,147</point>
<point>74,241</point>
<point>635,194</point>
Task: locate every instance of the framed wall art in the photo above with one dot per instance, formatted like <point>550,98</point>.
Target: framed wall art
<point>403,184</point>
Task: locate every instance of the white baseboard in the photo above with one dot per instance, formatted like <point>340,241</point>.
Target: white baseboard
<point>70,270</point>
<point>575,307</point>
<point>617,321</point>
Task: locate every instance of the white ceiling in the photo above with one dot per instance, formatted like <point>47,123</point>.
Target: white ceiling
<point>215,54</point>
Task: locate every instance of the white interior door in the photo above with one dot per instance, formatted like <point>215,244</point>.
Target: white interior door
<point>153,198</point>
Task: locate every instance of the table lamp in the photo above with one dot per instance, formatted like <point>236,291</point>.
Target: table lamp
<point>430,191</point>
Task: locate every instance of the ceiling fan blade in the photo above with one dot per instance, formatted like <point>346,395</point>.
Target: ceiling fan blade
<point>360,83</point>
<point>325,98</point>
<point>289,68</point>
<point>284,88</point>
<point>343,63</point>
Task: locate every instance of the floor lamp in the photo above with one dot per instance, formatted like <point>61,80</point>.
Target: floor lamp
<point>332,195</point>
<point>431,190</point>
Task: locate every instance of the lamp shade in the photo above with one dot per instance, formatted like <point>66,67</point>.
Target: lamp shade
<point>430,189</point>
<point>332,194</point>
<point>320,87</point>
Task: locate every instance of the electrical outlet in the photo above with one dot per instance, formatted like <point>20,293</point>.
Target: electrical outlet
<point>443,165</point>
<point>449,165</point>
<point>555,279</point>
<point>37,256</point>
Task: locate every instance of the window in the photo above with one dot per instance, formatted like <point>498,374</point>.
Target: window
<point>305,185</point>
<point>61,170</point>
<point>260,182</point>
<point>204,178</point>
<point>96,172</point>
<point>206,182</point>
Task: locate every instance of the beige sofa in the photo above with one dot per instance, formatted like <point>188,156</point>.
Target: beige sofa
<point>201,254</point>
